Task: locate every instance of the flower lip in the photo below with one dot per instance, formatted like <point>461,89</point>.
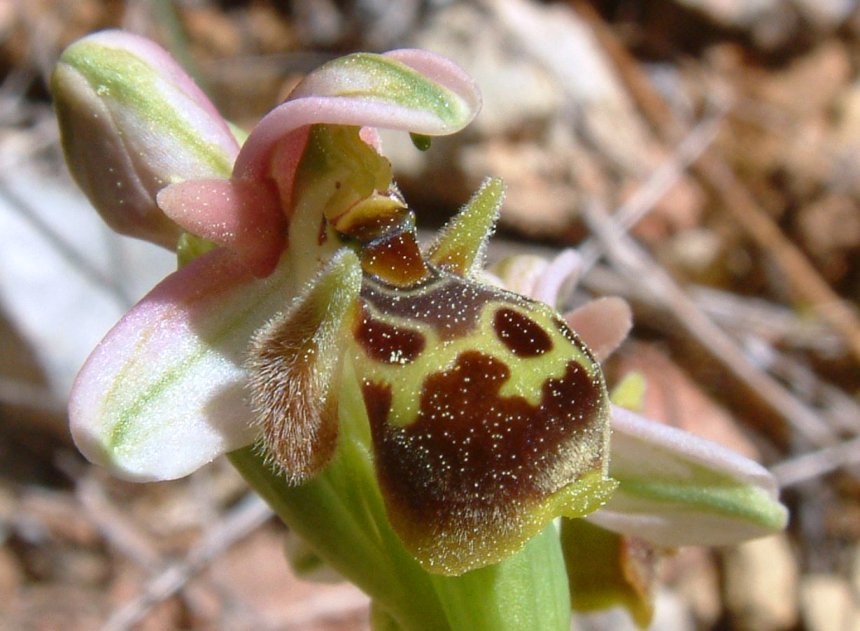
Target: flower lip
<point>675,488</point>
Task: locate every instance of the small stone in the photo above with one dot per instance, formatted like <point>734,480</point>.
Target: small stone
<point>11,575</point>
<point>827,604</point>
<point>761,584</point>
<point>693,574</point>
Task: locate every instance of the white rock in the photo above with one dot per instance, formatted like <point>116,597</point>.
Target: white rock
<point>66,278</point>
<point>761,584</point>
<point>827,604</point>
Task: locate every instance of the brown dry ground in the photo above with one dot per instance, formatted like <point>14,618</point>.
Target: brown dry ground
<point>733,140</point>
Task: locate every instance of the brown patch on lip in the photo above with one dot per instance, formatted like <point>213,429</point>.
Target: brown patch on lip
<point>520,334</point>
<point>474,461</point>
<point>388,343</point>
<point>395,259</point>
<point>448,303</point>
<point>377,400</point>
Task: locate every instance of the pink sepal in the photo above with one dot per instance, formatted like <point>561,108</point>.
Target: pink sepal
<point>701,493</point>
<point>164,392</point>
<point>242,217</point>
<point>602,324</point>
<point>324,99</point>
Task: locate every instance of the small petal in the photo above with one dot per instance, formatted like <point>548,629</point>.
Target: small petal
<point>520,272</point>
<point>295,365</point>
<point>163,393</point>
<point>538,278</point>
<point>460,246</point>
<point>232,214</point>
<point>602,324</point>
<point>678,489</point>
<point>605,569</point>
<point>564,268</point>
<point>132,122</point>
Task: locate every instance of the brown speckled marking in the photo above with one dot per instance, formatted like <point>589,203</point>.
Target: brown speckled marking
<point>520,334</point>
<point>388,343</point>
<point>448,303</point>
<point>377,224</point>
<point>472,453</point>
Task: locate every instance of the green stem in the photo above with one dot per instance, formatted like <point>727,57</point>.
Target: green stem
<point>338,532</point>
<point>528,590</point>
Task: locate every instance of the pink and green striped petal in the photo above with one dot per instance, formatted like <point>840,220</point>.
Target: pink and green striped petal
<point>132,122</point>
<point>164,392</point>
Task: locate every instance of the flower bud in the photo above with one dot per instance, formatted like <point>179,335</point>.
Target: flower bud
<point>133,122</point>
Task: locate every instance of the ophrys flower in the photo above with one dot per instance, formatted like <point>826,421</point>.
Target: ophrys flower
<point>389,385</point>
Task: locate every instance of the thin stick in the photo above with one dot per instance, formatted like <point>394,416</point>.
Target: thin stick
<point>120,531</point>
<point>30,396</point>
<point>804,280</point>
<point>660,182</point>
<point>817,463</point>
<point>632,260</point>
<point>249,515</point>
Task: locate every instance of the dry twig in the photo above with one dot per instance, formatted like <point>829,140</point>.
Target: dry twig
<point>817,463</point>
<point>804,280</point>
<point>114,525</point>
<point>244,519</point>
<point>634,262</point>
<point>660,182</point>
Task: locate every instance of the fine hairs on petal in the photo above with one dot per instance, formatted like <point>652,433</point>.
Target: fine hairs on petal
<point>294,371</point>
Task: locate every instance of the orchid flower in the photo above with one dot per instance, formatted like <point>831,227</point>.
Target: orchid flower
<point>418,426</point>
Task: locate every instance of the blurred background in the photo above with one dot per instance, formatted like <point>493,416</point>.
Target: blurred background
<point>701,154</point>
